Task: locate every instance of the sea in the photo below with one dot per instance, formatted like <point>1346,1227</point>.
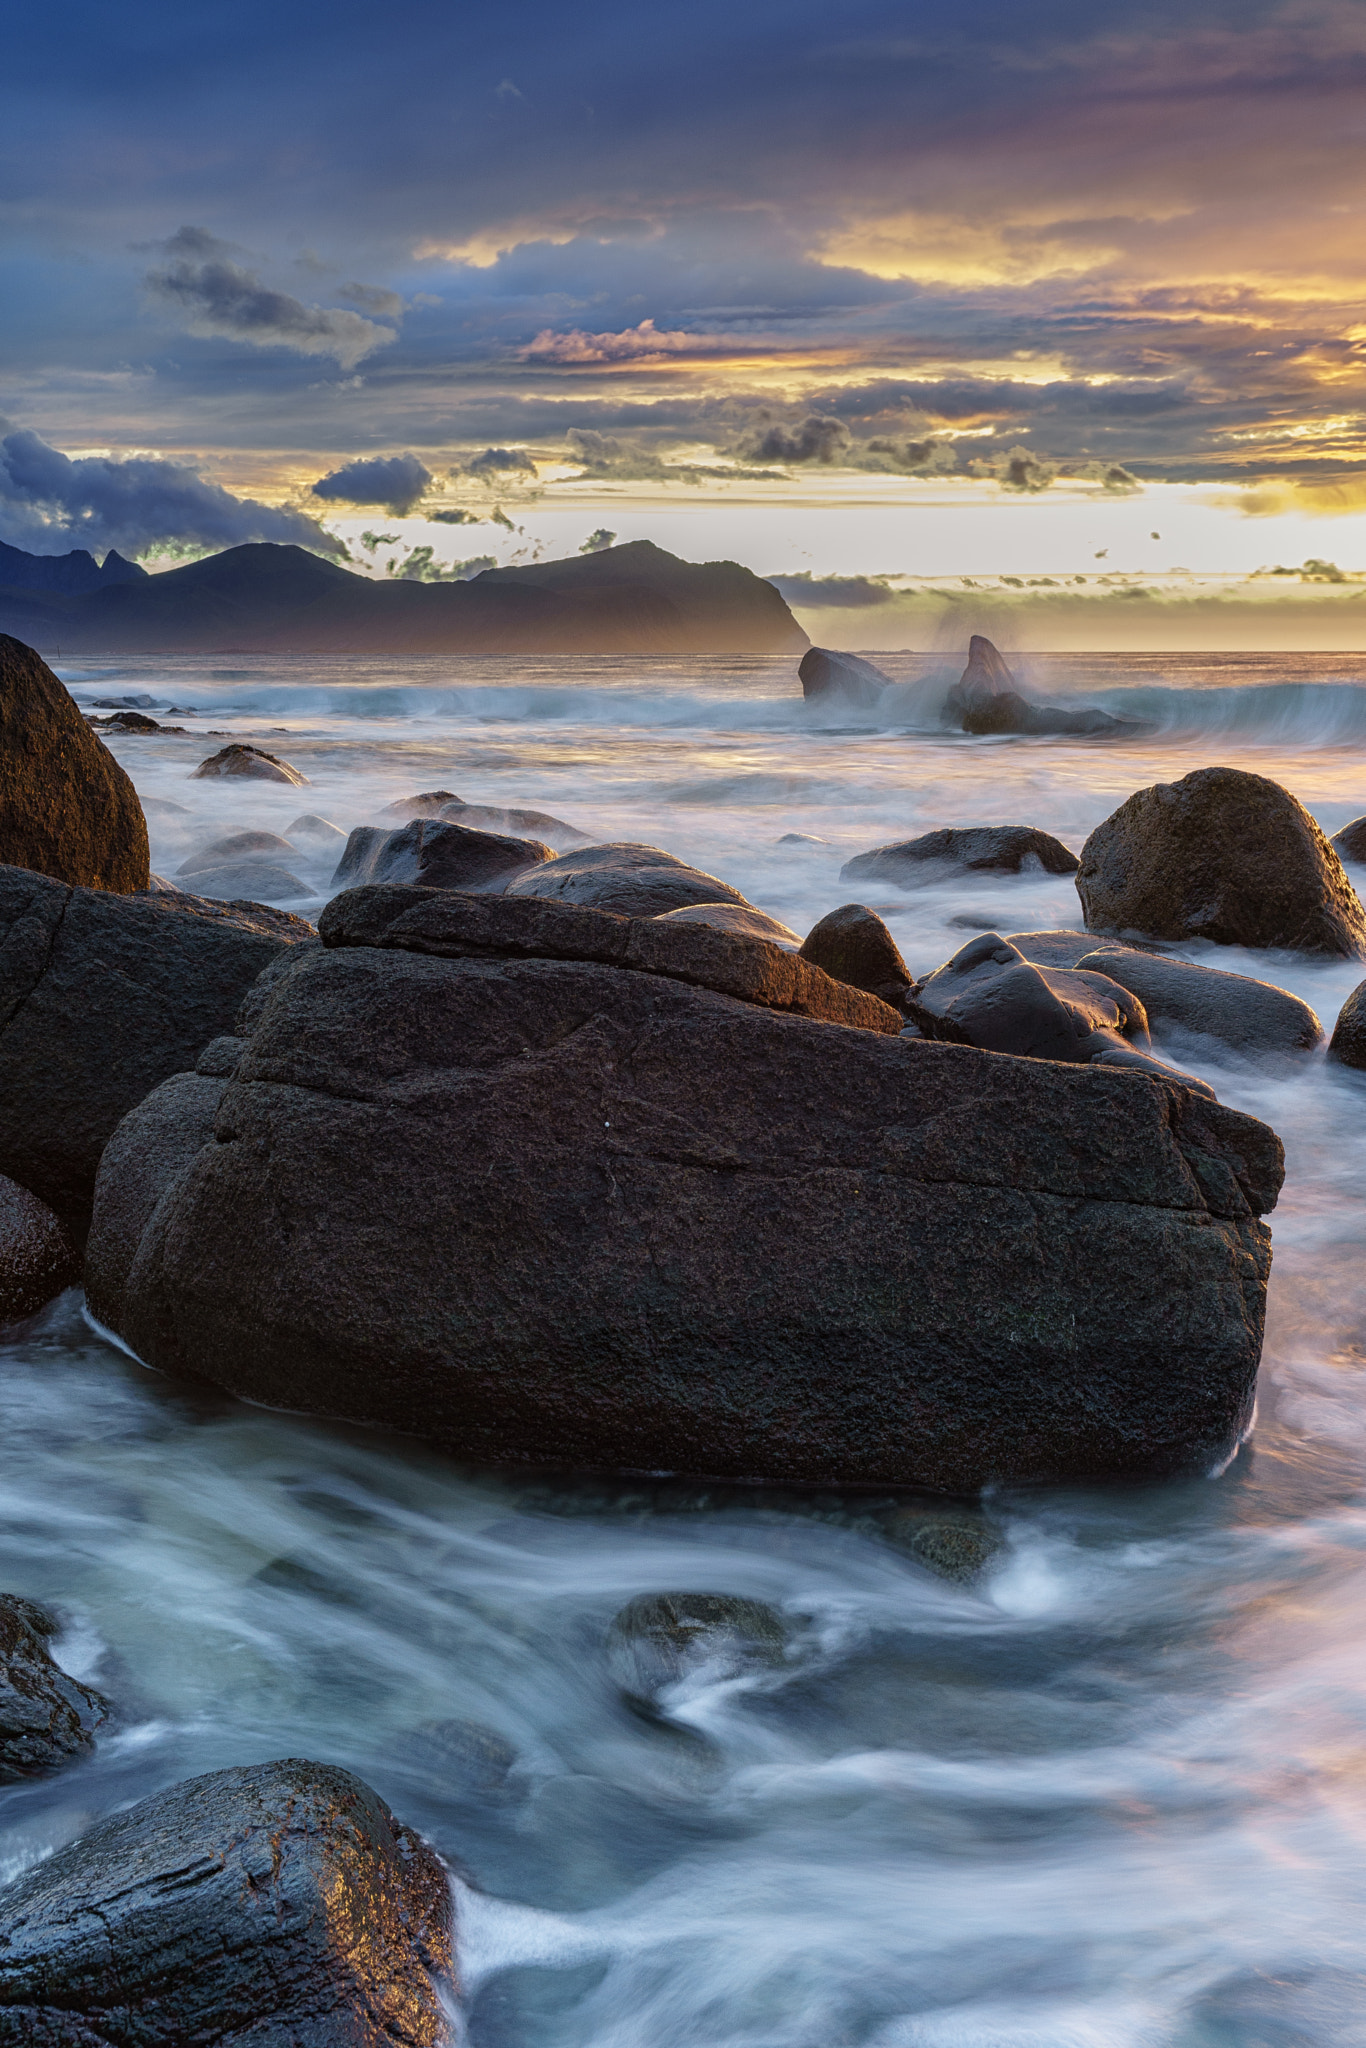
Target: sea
<point>1109,1793</point>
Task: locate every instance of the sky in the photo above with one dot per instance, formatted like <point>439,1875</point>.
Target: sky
<point>863,294</point>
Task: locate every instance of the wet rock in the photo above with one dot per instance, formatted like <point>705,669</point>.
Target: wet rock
<point>840,680</point>
<point>802,839</point>
<point>1249,1015</point>
<point>665,1229</point>
<point>1220,855</point>
<point>1348,1043</point>
<point>101,998</point>
<point>1350,842</point>
<point>734,917</point>
<point>985,700</point>
<point>260,881</point>
<point>233,846</point>
<point>36,1256</point>
<point>277,1902</point>
<point>140,702</point>
<point>320,833</point>
<point>517,823</point>
<point>633,880</point>
<point>990,996</point>
<point>660,1639</point>
<point>1052,948</point>
<point>955,1546</point>
<point>471,1760</point>
<point>46,1717</point>
<point>437,854</point>
<point>252,762</point>
<point>853,945</point>
<point>428,803</point>
<point>1008,848</point>
<point>67,809</point>
<point>134,721</point>
<point>153,1144</point>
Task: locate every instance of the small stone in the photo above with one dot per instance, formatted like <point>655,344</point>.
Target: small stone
<point>661,1638</point>
<point>853,945</point>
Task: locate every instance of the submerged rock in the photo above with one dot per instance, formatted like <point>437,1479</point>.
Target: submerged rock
<point>632,880</point>
<point>46,1716</point>
<point>67,809</point>
<point>526,824</point>
<point>36,1256</point>
<point>985,700</point>
<point>665,1228</point>
<point>277,1902</point>
<point>660,1639</point>
<point>1348,1043</point>
<point>256,880</point>
<point>1220,855</point>
<point>840,680</point>
<point>133,721</point>
<point>853,945</point>
<point>990,996</point>
<point>958,1546</point>
<point>321,832</point>
<point>253,762</point>
<point>1249,1015</point>
<point>233,846</point>
<point>438,854</point>
<point>1008,849</point>
<point>427,803</point>
<point>106,996</point>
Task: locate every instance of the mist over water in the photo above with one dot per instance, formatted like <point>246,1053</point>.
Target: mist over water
<point>1112,1794</point>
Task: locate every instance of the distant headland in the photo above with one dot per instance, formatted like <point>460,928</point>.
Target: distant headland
<point>266,598</point>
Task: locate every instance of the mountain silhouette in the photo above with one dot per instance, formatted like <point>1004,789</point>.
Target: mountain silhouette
<point>266,598</point>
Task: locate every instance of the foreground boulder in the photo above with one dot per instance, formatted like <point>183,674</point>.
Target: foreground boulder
<point>438,854</point>
<point>276,1902</point>
<point>36,1256</point>
<point>511,1177</point>
<point>1007,849</point>
<point>989,995</point>
<point>251,762</point>
<point>632,880</point>
<point>840,681</point>
<point>1348,1043</point>
<point>101,997</point>
<point>1249,1015</point>
<point>47,1718</point>
<point>854,945</point>
<point>986,700</point>
<point>1220,855</point>
<point>66,807</point>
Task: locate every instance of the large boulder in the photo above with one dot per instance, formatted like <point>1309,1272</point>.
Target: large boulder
<point>854,945</point>
<point>102,997</point>
<point>630,879</point>
<point>66,807</point>
<point>1249,1015</point>
<point>843,682</point>
<point>1007,849</point>
<point>36,1255</point>
<point>1222,855</point>
<point>269,1904</point>
<point>511,1177</point>
<point>985,700</point>
<point>46,1717</point>
<point>439,854</point>
<point>990,996</point>
<point>1348,1043</point>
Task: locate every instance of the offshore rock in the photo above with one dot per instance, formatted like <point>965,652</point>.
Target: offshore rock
<point>985,700</point>
<point>1220,855</point>
<point>633,880</point>
<point>252,762</point>
<point>439,854</point>
<point>1247,1014</point>
<point>854,945</point>
<point>234,846</point>
<point>666,1228</point>
<point>840,681</point>
<point>36,1256</point>
<point>46,1716</point>
<point>101,997</point>
<point>273,1903</point>
<point>67,809</point>
<point>1009,849</point>
<point>1348,1043</point>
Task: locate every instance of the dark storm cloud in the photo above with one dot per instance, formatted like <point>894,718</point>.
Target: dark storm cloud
<point>215,296</point>
<point>48,503</point>
<point>499,462</point>
<point>816,438</point>
<point>395,481</point>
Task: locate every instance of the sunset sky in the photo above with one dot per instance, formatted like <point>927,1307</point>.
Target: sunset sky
<point>867,291</point>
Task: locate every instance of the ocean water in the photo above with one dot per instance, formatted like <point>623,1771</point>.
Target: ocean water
<point>1110,1794</point>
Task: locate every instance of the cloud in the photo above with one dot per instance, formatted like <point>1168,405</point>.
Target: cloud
<point>926,457</point>
<point>419,566</point>
<point>597,541</point>
<point>373,298</point>
<point>1018,469</point>
<point>817,438</point>
<point>215,296</point>
<point>1114,477</point>
<point>851,593</point>
<point>500,462</point>
<point>454,516</point>
<point>395,481</point>
<point>643,343</point>
<point>135,503</point>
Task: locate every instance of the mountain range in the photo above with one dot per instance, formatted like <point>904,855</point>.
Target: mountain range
<point>267,598</point>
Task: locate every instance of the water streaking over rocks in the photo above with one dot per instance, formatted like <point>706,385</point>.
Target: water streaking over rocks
<point>1062,1767</point>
